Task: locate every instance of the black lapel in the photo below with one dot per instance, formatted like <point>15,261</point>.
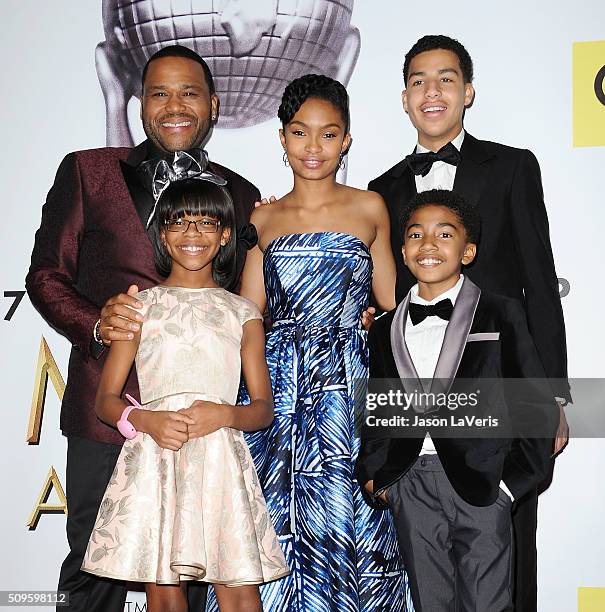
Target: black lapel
<point>403,186</point>
<point>407,187</point>
<point>471,174</point>
<point>141,197</point>
<point>401,190</point>
<point>219,170</point>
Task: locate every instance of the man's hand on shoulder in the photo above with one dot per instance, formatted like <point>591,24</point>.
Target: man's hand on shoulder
<point>119,317</point>
<point>265,201</point>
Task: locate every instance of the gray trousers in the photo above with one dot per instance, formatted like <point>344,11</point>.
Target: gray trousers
<point>458,557</point>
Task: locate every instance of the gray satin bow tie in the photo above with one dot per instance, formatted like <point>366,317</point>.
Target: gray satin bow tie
<point>184,166</point>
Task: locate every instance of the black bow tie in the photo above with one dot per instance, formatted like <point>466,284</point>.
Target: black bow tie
<point>419,312</point>
<point>421,163</point>
<point>185,165</point>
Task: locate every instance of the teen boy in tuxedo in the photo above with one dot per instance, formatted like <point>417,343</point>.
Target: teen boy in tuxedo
<point>515,258</point>
<point>451,497</point>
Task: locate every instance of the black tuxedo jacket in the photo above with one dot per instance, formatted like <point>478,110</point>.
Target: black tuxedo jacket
<point>92,244</point>
<point>514,256</point>
<point>487,338</point>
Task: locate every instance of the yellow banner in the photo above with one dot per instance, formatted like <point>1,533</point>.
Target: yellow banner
<point>589,94</point>
<point>591,599</point>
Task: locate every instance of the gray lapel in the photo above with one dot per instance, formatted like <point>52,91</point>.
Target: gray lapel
<point>401,355</point>
<point>452,348</point>
<point>456,334</point>
<point>403,360</point>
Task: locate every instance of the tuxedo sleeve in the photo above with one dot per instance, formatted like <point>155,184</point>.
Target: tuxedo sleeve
<point>255,198</point>
<point>540,283</point>
<point>532,409</point>
<point>373,452</point>
<point>51,280</point>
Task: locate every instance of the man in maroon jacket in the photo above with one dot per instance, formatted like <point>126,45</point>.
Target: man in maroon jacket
<point>92,243</point>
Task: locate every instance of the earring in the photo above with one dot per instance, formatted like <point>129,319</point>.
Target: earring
<point>341,162</point>
<point>213,117</point>
<point>286,160</point>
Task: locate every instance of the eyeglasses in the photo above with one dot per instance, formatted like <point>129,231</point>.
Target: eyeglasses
<point>203,226</point>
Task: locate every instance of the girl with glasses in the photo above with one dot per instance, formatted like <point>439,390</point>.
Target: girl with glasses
<point>184,502</point>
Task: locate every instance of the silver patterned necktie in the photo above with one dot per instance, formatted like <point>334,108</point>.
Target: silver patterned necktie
<point>184,166</point>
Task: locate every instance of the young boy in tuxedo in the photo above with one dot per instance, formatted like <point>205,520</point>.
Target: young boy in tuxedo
<point>451,497</point>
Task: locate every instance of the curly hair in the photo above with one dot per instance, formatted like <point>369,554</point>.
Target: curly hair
<point>314,86</point>
<point>467,214</point>
<point>196,197</point>
<point>440,41</point>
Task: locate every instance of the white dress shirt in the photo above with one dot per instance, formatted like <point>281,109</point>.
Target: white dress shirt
<point>424,341</point>
<point>441,175</point>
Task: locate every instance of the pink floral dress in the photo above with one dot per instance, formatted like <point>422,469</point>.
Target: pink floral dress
<point>198,513</point>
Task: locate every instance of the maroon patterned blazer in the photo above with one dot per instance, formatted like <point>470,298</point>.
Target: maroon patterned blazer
<point>91,245</point>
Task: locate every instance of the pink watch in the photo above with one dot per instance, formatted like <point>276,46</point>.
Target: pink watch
<point>125,427</point>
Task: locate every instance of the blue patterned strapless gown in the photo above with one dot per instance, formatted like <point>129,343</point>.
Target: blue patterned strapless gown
<point>342,553</point>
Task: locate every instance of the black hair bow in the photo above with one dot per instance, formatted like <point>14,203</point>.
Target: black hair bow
<point>247,236</point>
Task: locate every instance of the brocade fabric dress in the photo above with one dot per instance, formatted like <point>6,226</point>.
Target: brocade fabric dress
<point>197,513</point>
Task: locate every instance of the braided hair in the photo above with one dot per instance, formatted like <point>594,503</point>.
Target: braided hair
<point>315,86</point>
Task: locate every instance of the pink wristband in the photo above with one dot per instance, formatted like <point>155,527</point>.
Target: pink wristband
<point>125,427</point>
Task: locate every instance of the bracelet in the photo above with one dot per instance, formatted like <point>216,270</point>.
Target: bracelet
<point>96,333</point>
<point>125,427</point>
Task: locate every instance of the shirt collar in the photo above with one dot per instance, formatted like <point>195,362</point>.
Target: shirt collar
<point>457,142</point>
<point>452,294</point>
